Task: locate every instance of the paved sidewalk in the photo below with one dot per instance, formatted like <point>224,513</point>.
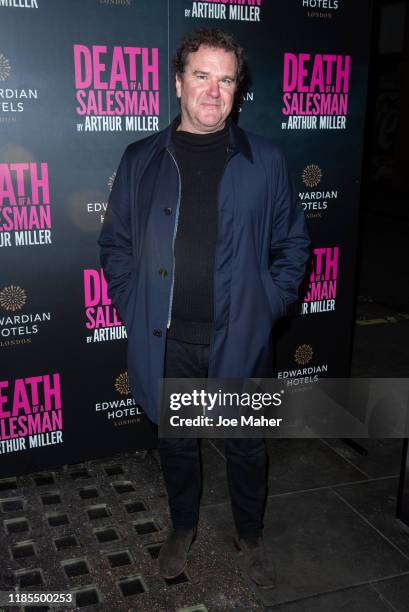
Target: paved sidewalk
<point>96,529</point>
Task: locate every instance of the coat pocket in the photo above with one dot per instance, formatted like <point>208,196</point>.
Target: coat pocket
<point>277,305</point>
<point>125,300</point>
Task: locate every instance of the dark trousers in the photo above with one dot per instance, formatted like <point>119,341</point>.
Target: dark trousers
<point>246,459</point>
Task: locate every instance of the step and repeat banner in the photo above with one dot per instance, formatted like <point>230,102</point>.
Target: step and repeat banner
<point>79,81</point>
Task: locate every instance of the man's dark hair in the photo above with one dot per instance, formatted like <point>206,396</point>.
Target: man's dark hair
<point>210,37</point>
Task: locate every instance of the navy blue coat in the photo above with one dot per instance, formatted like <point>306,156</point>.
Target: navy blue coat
<point>261,252</point>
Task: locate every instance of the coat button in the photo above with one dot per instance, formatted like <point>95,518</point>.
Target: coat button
<point>163,272</point>
<point>157,333</point>
<point>167,211</point>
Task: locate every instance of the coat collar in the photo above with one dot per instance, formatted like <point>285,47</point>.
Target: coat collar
<point>238,142</point>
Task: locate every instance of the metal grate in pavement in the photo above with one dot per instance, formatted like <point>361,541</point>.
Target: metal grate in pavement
<point>95,529</point>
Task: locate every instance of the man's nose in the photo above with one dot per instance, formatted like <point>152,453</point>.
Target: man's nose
<point>213,89</point>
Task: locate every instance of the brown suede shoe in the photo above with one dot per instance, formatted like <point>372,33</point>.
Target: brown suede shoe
<point>173,552</point>
<point>258,562</point>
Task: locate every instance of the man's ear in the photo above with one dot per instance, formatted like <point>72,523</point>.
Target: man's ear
<point>178,85</point>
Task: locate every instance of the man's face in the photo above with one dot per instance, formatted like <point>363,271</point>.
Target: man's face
<point>206,89</point>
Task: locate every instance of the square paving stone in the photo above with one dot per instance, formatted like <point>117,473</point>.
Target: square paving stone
<point>376,501</point>
<point>395,591</point>
<point>358,599</point>
<point>300,464</point>
<point>319,544</point>
<point>383,458</point>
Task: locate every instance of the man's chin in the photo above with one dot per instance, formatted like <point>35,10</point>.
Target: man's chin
<point>212,121</point>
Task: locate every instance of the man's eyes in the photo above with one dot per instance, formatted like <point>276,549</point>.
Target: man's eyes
<point>202,77</point>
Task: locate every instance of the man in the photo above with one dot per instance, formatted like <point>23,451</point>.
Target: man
<point>203,248</point>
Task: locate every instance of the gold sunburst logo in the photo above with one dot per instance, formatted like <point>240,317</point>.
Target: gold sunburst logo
<point>303,354</point>
<point>312,175</point>
<point>110,181</point>
<point>5,68</point>
<point>12,298</point>
<point>122,384</point>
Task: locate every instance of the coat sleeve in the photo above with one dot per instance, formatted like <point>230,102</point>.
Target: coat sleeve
<point>289,249</point>
<point>115,241</point>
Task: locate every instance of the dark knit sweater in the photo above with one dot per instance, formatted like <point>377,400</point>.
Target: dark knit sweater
<point>201,159</point>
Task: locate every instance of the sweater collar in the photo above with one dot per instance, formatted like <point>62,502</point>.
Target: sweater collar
<point>238,142</point>
<point>200,142</point>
